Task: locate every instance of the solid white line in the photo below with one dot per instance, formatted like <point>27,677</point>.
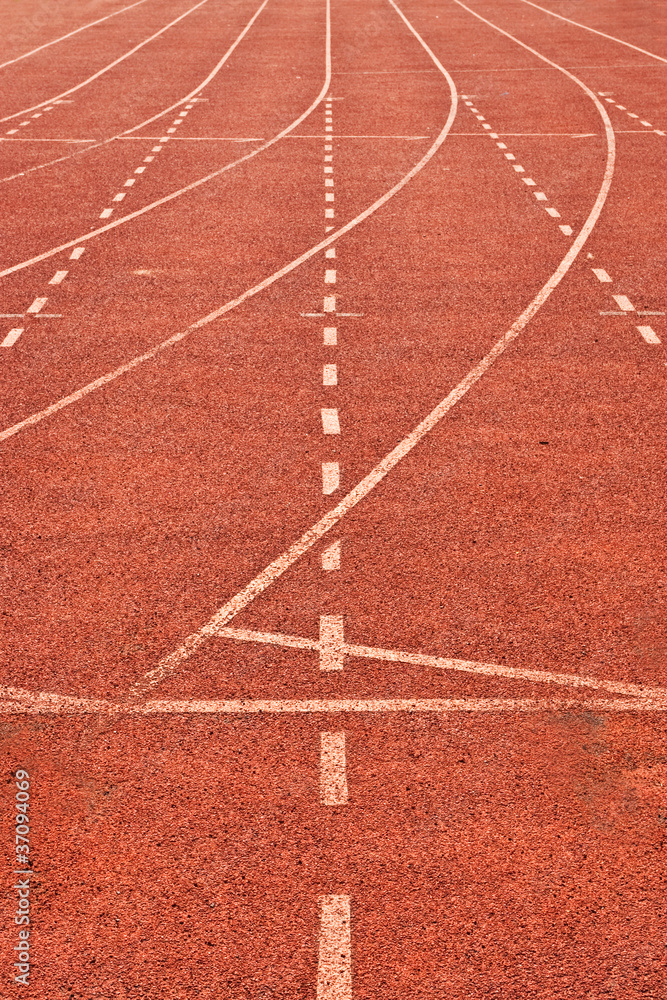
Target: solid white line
<point>648,333</point>
<point>601,274</point>
<point>330,375</point>
<point>106,69</point>
<point>330,477</point>
<point>14,335</point>
<point>334,964</point>
<point>279,565</point>
<point>623,303</point>
<point>69,35</point>
<point>333,781</point>
<point>586,28</point>
<point>331,642</point>
<point>330,423</point>
<point>58,277</point>
<point>331,557</point>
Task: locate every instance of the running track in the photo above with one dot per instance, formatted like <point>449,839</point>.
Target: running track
<point>332,347</point>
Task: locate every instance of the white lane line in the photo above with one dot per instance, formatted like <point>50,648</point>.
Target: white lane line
<point>330,277</point>
<point>105,69</point>
<point>170,130</point>
<point>14,335</point>
<point>330,375</point>
<point>334,964</point>
<point>148,159</point>
<point>105,213</point>
<point>328,213</point>
<point>331,557</point>
<point>540,195</point>
<point>553,212</point>
<point>208,177</point>
<point>567,230</point>
<point>330,336</point>
<point>624,303</point>
<point>331,252</point>
<point>329,196</point>
<point>36,306</point>
<point>595,32</point>
<point>69,35</point>
<point>11,131</point>
<point>648,124</point>
<point>330,645</point>
<point>330,423</point>
<point>601,274</point>
<point>508,156</point>
<point>630,115</point>
<point>329,304</point>
<point>58,277</point>
<point>77,252</point>
<point>129,182</point>
<point>445,663</point>
<point>502,145</point>
<point>119,196</point>
<point>519,169</point>
<point>330,477</point>
<point>139,170</point>
<point>156,149</point>
<point>333,780</point>
<point>282,563</point>
<point>648,333</point>
<point>529,181</point>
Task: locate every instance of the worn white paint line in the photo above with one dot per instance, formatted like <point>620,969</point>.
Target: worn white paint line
<point>601,274</point>
<point>331,557</point>
<point>334,964</point>
<point>330,422</point>
<point>330,336</point>
<point>197,183</point>
<point>12,337</point>
<point>148,121</point>
<point>281,563</point>
<point>331,642</point>
<point>623,303</point>
<point>58,277</point>
<point>330,477</point>
<point>106,69</point>
<point>333,780</point>
<point>649,334</point>
<point>612,38</point>
<point>447,663</point>
<point>69,34</point>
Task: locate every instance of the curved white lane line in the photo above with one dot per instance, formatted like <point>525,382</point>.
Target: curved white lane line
<point>595,32</point>
<point>84,237</point>
<point>286,559</point>
<point>96,145</point>
<point>72,90</point>
<point>69,35</point>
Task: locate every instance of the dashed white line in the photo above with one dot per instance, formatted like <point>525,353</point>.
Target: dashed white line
<point>37,306</point>
<point>330,423</point>
<point>649,334</point>
<point>330,336</point>
<point>553,212</point>
<point>331,252</point>
<point>329,305</point>
<point>331,557</point>
<point>334,966</point>
<point>623,303</point>
<point>601,274</point>
<point>330,375</point>
<point>105,213</point>
<point>58,277</point>
<point>332,655</point>
<point>77,252</point>
<point>330,277</point>
<point>333,780</point>
<point>330,477</point>
<point>14,335</point>
<point>139,170</point>
<point>119,196</point>
<point>567,230</point>
<point>540,195</point>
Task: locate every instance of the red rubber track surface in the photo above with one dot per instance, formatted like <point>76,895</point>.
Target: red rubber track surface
<point>503,834</point>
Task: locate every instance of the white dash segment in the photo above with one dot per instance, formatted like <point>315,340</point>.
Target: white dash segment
<point>647,332</point>
<point>330,336</point>
<point>329,277</point>
<point>37,306</point>
<point>334,964</point>
<point>119,196</point>
<point>77,252</point>
<point>329,304</point>
<point>330,375</point>
<point>333,781</point>
<point>14,335</point>
<point>331,252</point>
<point>519,169</point>
<point>58,277</point>
<point>601,274</point>
<point>139,170</point>
<point>622,301</point>
<point>330,423</point>
<point>331,642</point>
<point>553,212</point>
<point>331,557</point>
<point>567,230</point>
<point>330,477</point>
<point>105,213</point>
<point>529,181</point>
<point>540,195</point>
<point>129,182</point>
